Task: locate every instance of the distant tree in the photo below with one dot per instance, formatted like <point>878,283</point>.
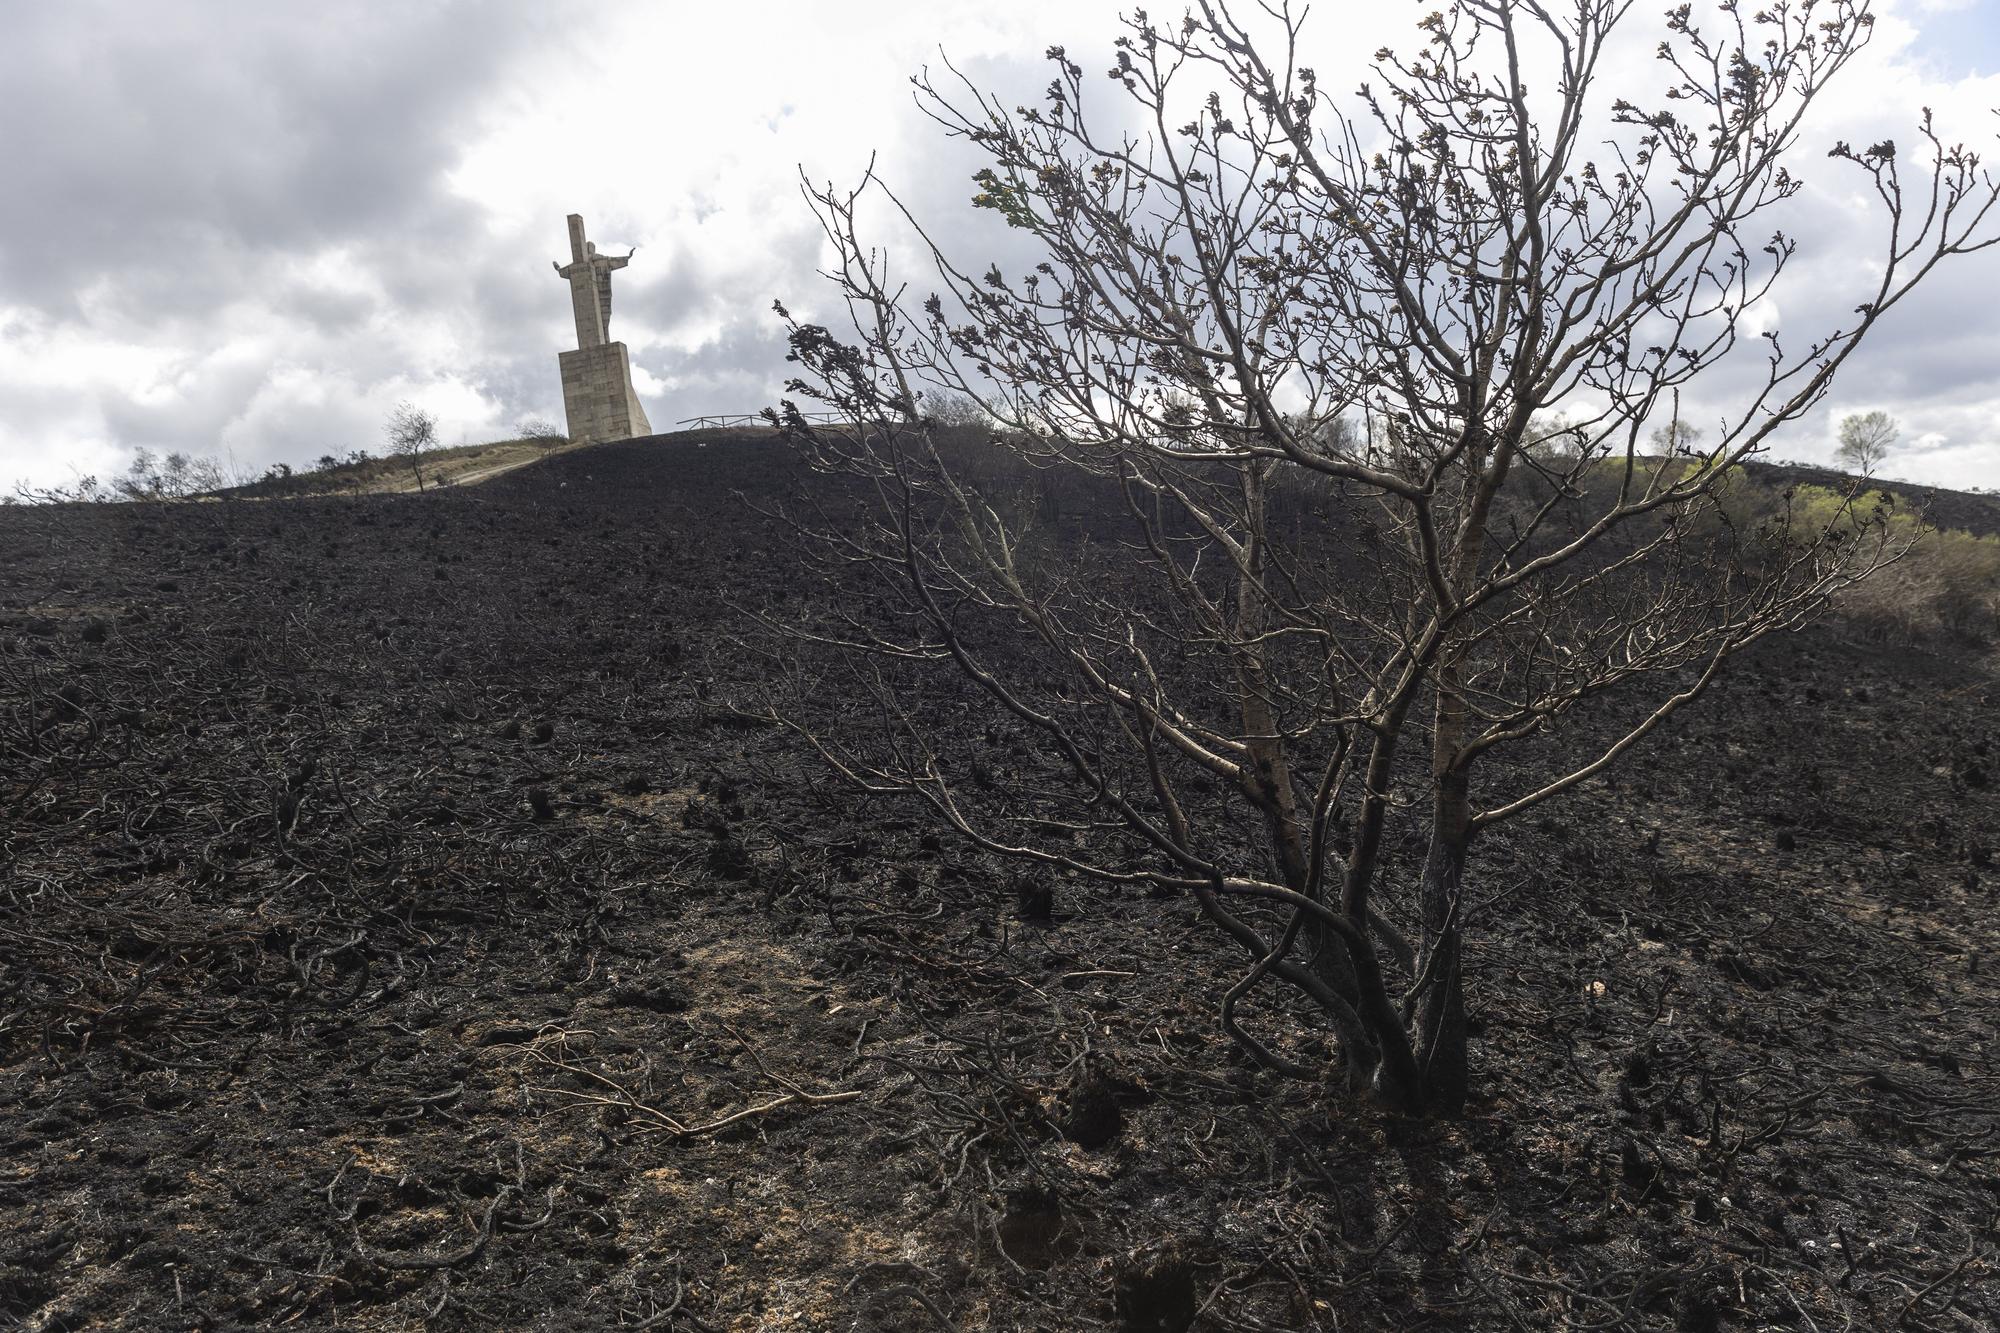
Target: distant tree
<point>1252,714</point>
<point>1556,435</point>
<point>326,463</point>
<point>174,477</point>
<point>1865,438</point>
<point>84,490</point>
<point>182,476</point>
<point>1675,438</point>
<point>411,431</point>
<point>142,477</point>
<point>954,409</point>
<point>542,432</point>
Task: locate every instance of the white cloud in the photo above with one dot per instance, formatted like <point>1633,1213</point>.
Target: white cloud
<point>258,229</point>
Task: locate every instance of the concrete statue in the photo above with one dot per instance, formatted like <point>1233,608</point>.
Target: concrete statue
<point>598,397</point>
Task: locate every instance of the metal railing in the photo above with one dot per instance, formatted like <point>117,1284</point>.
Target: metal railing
<point>754,419</point>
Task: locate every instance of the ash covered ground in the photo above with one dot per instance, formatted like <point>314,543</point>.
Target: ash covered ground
<point>405,921</point>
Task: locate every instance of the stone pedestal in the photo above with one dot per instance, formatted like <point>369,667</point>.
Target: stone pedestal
<point>598,397</point>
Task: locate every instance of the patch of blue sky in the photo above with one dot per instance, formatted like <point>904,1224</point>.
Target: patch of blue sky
<point>1960,40</point>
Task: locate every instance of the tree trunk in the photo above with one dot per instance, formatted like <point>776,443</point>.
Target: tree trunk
<point>1269,776</point>
<point>1440,1036</point>
<point>1441,1008</point>
<point>1399,1075</point>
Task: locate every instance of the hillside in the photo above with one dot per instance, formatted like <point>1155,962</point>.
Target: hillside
<point>1960,511</point>
<point>405,921</point>
<point>453,465</point>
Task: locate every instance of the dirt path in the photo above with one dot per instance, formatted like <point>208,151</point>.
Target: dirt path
<point>473,478</point>
<point>402,484</point>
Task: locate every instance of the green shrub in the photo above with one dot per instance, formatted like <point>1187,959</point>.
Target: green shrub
<point>1947,585</point>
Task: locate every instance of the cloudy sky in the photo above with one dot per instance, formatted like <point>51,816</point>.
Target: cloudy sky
<point>248,229</point>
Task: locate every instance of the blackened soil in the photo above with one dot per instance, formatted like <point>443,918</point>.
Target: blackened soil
<point>405,922</point>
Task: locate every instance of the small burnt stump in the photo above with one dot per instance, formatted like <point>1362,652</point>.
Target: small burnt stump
<point>1031,1226</point>
<point>1155,1294</point>
<point>1035,900</point>
<point>1093,1117</point>
<point>728,858</point>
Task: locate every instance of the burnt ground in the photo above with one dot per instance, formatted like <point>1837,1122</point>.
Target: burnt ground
<point>404,923</point>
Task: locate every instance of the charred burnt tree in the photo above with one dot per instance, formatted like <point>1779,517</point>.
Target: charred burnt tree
<point>1436,326</point>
